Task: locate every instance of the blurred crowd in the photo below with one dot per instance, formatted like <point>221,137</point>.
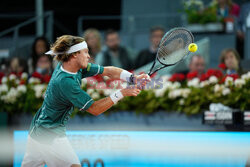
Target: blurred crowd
<point>107,50</point>
<point>235,17</point>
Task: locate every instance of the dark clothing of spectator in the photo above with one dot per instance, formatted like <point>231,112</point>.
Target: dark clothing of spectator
<point>122,56</point>
<point>144,57</point>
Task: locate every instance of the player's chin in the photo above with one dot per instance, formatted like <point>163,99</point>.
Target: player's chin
<point>85,65</point>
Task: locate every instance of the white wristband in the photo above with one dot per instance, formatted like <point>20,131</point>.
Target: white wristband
<point>125,75</point>
<point>116,96</point>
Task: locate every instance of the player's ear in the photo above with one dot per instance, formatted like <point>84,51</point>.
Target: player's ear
<point>75,54</point>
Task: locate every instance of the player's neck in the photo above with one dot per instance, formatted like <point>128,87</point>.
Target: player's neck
<point>70,67</point>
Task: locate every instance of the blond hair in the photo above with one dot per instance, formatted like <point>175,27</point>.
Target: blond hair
<point>226,51</point>
<point>62,44</point>
<point>236,54</point>
<point>97,35</point>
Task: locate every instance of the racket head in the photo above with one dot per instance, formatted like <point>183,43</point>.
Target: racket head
<point>174,46</point>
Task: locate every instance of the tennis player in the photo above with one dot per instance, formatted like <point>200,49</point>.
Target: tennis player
<point>47,142</point>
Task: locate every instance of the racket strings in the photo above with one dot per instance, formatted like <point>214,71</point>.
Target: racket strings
<point>174,46</point>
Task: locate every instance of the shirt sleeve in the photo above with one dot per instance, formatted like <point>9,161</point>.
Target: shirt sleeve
<point>92,70</point>
<point>73,93</point>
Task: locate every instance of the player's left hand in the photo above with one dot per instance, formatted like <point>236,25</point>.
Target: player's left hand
<point>142,80</point>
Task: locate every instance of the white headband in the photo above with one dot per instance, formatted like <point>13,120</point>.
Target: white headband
<point>72,49</point>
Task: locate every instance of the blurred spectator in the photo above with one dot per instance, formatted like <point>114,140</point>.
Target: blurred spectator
<point>43,69</point>
<point>93,39</point>
<point>227,8</point>
<point>39,47</point>
<point>148,55</point>
<point>114,54</point>
<point>4,66</point>
<point>17,66</point>
<point>230,57</point>
<point>44,65</point>
<point>197,65</point>
<point>241,27</point>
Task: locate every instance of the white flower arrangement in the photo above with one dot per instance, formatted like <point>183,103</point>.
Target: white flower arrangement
<point>84,82</point>
<point>191,3</point>
<point>182,92</point>
<point>90,91</point>
<point>159,92</point>
<point>181,102</point>
<point>213,80</point>
<point>108,92</point>
<point>204,84</point>
<point>176,85</point>
<point>244,76</point>
<point>3,88</point>
<point>165,78</point>
<point>24,75</point>
<point>185,92</point>
<point>21,88</point>
<point>229,81</point>
<point>39,89</point>
<point>95,95</point>
<point>175,95</point>
<point>11,96</point>
<point>239,83</point>
<point>17,81</point>
<point>194,83</point>
<point>218,88</point>
<point>226,91</point>
<point>12,77</point>
<point>34,80</point>
<point>4,80</point>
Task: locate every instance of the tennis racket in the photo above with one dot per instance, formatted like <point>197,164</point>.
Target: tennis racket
<point>173,48</point>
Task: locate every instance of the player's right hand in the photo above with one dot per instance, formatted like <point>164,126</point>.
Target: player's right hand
<point>142,80</point>
<point>130,92</point>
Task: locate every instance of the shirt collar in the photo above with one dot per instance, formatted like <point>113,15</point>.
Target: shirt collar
<point>73,73</point>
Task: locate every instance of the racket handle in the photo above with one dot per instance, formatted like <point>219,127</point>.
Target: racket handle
<point>150,73</point>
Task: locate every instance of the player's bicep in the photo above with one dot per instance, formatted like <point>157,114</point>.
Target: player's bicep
<point>92,70</point>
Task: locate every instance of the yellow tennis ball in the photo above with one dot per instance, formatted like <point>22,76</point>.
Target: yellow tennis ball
<point>192,47</point>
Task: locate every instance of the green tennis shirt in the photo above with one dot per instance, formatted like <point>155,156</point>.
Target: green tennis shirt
<point>62,95</point>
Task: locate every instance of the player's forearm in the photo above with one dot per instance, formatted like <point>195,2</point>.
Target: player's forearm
<point>112,72</point>
<point>118,73</point>
<point>103,105</point>
<point>100,106</point>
